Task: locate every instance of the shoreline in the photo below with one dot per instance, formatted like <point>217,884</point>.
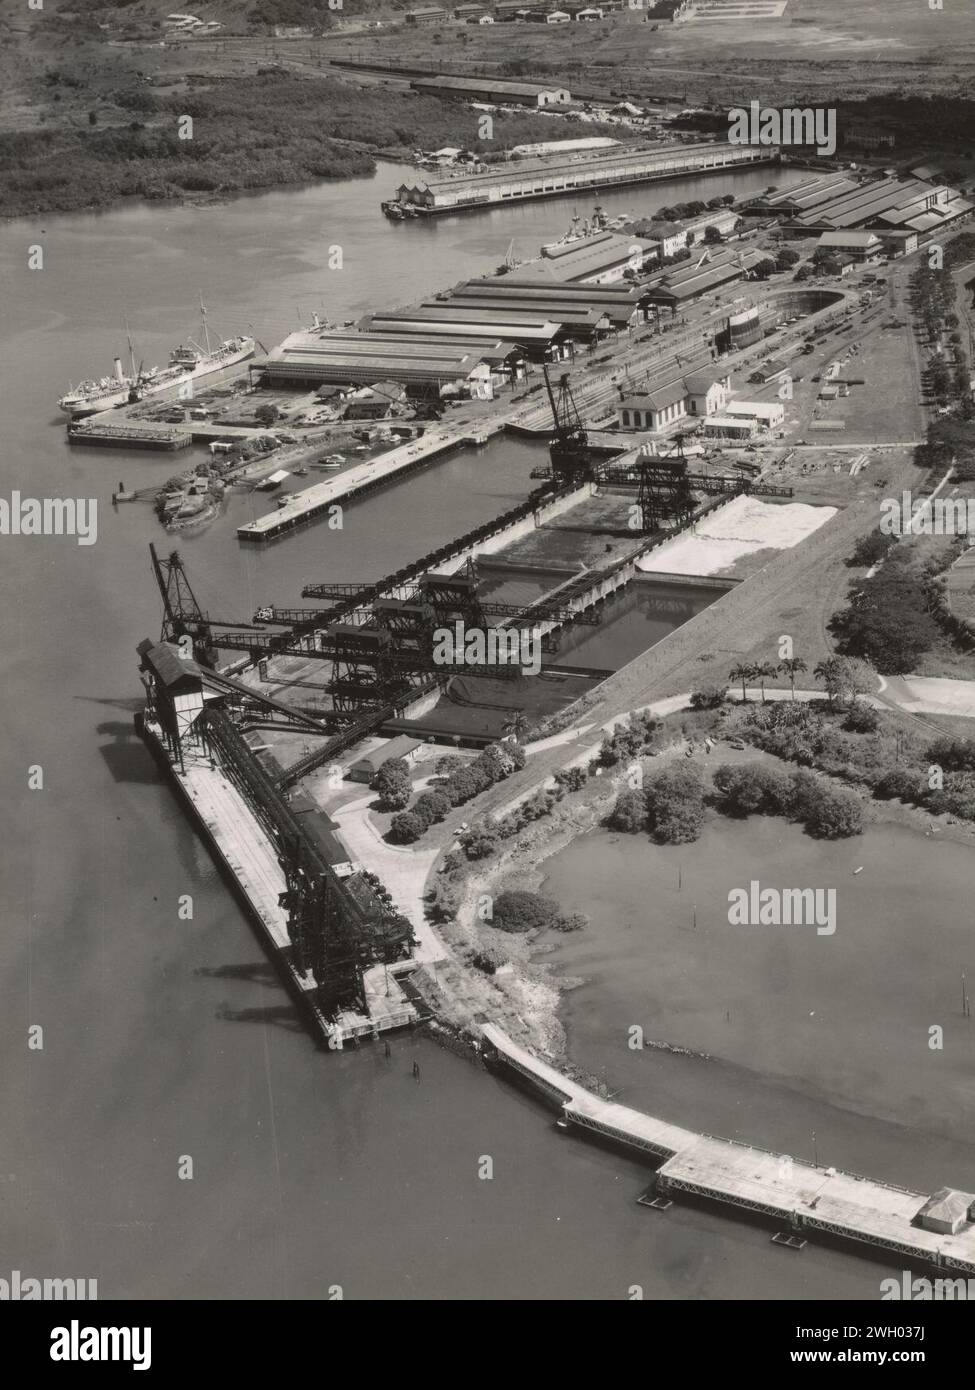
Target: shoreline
<point>541,1016</point>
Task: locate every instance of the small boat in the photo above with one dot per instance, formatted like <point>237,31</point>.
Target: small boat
<point>334,460</point>
<point>859,871</point>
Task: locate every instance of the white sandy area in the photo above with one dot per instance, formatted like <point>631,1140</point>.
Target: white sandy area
<point>747,524</point>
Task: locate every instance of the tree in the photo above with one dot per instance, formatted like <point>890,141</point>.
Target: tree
<point>406,828</point>
<point>393,784</point>
<point>901,784</point>
<point>712,236</point>
<point>861,718</point>
<point>630,812</point>
<point>828,812</point>
<point>480,843</point>
<point>744,671</point>
<point>753,787</point>
<point>517,725</point>
<point>266,414</point>
<point>804,272</point>
<point>573,779</point>
<point>786,258</point>
<point>858,678</point>
<point>792,666</point>
<point>765,671</point>
<point>518,910</point>
<point>831,673</point>
<point>431,806</point>
<point>675,804</point>
<point>708,697</point>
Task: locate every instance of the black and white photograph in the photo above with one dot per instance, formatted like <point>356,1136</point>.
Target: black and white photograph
<point>487,544</point>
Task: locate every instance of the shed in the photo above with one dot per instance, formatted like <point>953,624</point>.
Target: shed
<point>365,769</point>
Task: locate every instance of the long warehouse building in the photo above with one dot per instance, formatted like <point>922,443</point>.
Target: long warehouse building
<point>623,305</point>
<point>544,178</point>
<point>539,337</point>
<point>317,358</point>
<point>690,281</point>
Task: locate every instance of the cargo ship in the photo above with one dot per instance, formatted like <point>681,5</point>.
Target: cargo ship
<point>186,363</point>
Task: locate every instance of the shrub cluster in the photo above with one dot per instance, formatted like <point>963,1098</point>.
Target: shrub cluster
<point>629,741</point>
<point>518,910</point>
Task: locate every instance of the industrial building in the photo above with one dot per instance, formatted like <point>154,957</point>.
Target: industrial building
<point>802,197</point>
<point>493,90</point>
<point>426,14</point>
<point>677,287</point>
<point>861,246</point>
<point>555,147</point>
<point>600,259</point>
<point>768,414</point>
<point>674,393</point>
<point>898,204</point>
<point>622,305</point>
<point>671,237</point>
<point>542,178</point>
<point>537,337</point>
<point>731,427</point>
<point>317,357</point>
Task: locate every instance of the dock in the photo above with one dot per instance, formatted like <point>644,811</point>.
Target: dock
<point>552,177</point>
<point>240,843</point>
<point>360,480</point>
<point>803,1197</point>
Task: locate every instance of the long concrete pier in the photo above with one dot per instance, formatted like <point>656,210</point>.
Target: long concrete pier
<point>363,478</point>
<point>803,1196</point>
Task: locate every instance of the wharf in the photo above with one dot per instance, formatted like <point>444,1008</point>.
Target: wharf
<point>363,478</point>
<point>551,177</point>
<point>804,1196</point>
<point>241,844</point>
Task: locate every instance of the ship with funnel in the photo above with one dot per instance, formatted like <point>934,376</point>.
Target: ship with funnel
<point>187,363</point>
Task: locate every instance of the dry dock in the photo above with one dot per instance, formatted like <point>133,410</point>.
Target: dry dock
<point>802,1196</point>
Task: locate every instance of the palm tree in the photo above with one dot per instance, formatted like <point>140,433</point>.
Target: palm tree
<point>765,671</point>
<point>744,672</point>
<point>830,672</point>
<point>517,725</point>
<point>793,666</point>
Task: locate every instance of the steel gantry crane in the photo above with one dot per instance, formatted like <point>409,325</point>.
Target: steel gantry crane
<point>569,448</point>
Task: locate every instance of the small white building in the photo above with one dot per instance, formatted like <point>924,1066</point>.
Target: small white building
<point>558,17</point>
<point>589,16</point>
<point>706,394</point>
<point>766,413</point>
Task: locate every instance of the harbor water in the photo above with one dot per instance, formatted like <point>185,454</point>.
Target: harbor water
<point>166,1037</point>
